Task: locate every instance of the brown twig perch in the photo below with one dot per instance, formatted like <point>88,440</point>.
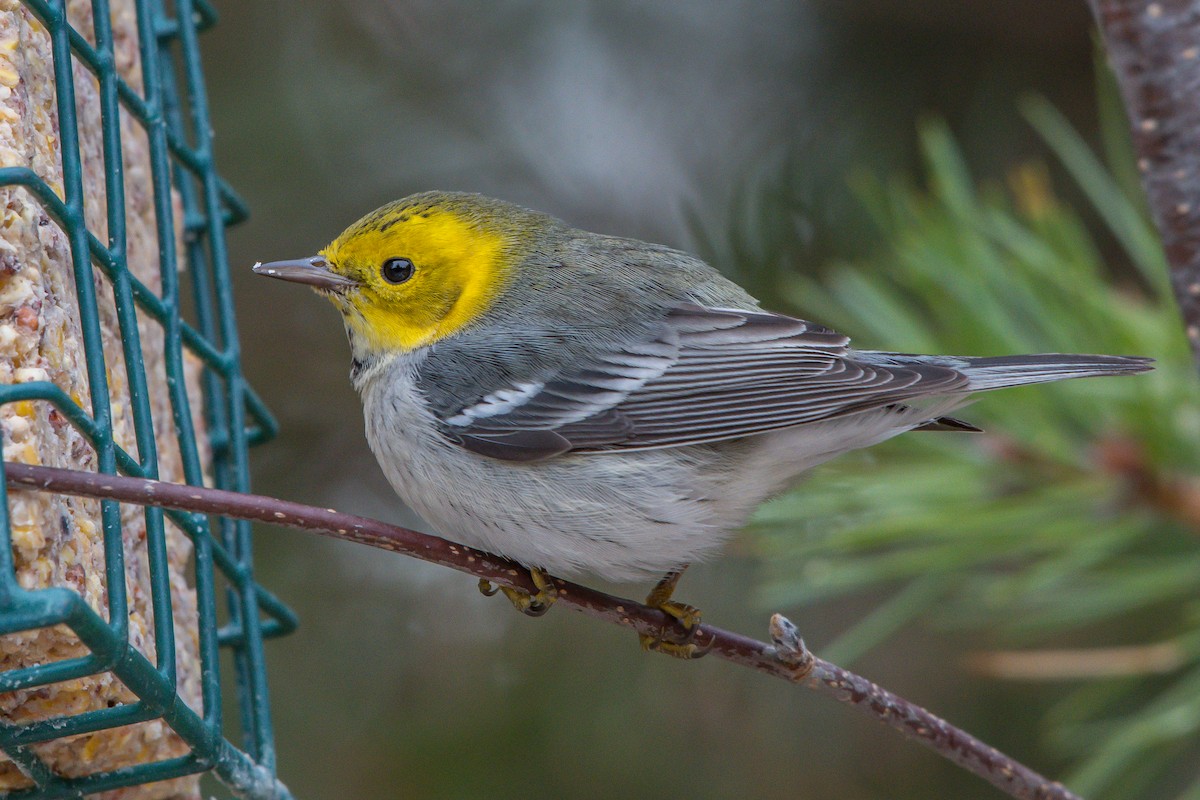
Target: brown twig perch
<point>1154,49</point>
<point>788,658</point>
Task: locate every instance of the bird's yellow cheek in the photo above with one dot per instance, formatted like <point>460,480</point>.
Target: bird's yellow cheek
<point>398,326</point>
<point>460,271</point>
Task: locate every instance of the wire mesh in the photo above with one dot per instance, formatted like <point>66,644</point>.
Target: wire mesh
<point>170,107</point>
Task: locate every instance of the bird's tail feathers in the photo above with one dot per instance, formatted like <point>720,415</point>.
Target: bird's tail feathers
<point>999,372</point>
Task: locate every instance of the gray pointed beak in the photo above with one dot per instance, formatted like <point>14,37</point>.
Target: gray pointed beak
<point>312,272</point>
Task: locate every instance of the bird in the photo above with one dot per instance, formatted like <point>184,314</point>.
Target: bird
<point>585,403</point>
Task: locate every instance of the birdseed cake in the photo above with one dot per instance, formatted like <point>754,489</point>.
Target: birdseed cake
<point>57,540</point>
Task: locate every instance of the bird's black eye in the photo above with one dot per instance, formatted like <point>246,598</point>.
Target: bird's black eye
<point>396,270</point>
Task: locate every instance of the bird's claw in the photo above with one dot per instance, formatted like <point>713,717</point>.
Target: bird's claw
<point>687,616</point>
<point>532,605</point>
<point>683,646</point>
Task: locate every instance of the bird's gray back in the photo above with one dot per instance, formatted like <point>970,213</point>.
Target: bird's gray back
<point>579,294</point>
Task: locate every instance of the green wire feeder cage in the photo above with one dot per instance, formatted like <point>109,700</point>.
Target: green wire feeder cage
<point>109,633</point>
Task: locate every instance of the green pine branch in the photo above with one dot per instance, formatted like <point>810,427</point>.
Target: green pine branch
<point>1079,511</point>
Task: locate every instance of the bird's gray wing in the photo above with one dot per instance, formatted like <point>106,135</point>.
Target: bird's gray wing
<point>703,375</point>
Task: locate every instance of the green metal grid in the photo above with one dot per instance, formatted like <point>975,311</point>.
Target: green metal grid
<point>175,118</point>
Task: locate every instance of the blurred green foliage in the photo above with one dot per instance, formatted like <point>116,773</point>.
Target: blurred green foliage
<point>1075,521</point>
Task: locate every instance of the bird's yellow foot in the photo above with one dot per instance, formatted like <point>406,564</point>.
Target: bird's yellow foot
<point>687,616</point>
<point>534,605</point>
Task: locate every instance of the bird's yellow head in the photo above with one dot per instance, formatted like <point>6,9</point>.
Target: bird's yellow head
<point>416,270</point>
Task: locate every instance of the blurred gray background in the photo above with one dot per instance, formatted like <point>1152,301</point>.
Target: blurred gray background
<point>653,119</point>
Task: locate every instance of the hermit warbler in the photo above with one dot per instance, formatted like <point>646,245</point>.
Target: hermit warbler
<point>584,402</point>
